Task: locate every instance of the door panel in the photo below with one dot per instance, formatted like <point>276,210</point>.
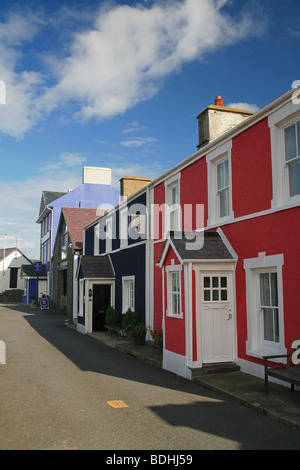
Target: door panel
<point>101,301</point>
<point>216,318</point>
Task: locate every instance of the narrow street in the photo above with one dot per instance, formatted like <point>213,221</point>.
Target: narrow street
<point>56,385</point>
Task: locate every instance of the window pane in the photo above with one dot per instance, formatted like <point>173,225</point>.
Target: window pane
<point>298,136</point>
<point>294,177</point>
<point>207,282</point>
<point>174,195</point>
<point>264,289</point>
<point>223,281</point>
<point>220,175</point>
<point>175,282</point>
<point>268,324</point>
<point>274,294</point>
<point>215,295</point>
<point>223,294</point>
<point>226,173</point>
<point>290,142</point>
<point>215,282</point>
<point>224,203</point>
<point>207,295</point>
<point>271,324</point>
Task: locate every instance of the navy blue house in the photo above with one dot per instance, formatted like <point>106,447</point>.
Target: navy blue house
<point>112,270</point>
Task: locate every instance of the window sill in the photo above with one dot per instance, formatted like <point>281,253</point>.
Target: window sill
<point>173,315</point>
<point>265,350</point>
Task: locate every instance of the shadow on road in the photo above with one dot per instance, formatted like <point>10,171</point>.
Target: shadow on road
<point>212,413</point>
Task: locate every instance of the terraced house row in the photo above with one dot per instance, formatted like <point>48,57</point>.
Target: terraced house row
<point>209,251</point>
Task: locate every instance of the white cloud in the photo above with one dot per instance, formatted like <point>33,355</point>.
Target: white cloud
<point>119,61</point>
<point>138,142</point>
<point>66,160</point>
<point>246,106</point>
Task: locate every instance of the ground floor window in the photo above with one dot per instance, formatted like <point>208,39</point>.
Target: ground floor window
<point>174,301</point>
<point>128,293</point>
<point>264,297</point>
<point>269,306</point>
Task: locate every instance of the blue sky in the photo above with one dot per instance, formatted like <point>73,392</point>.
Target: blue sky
<point>119,84</point>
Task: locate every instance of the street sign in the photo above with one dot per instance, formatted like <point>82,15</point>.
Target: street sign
<point>44,304</point>
<point>37,266</point>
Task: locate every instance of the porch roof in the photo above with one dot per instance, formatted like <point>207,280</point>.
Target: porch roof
<point>92,267</point>
<point>190,246</point>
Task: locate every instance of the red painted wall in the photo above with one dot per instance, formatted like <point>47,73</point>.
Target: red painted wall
<point>174,327</point>
<point>276,233</point>
<point>251,170</point>
<point>193,189</point>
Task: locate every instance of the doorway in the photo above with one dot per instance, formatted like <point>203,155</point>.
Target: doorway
<point>101,301</point>
<point>216,319</point>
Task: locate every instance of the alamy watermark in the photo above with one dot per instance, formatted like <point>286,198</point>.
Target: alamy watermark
<point>164,218</point>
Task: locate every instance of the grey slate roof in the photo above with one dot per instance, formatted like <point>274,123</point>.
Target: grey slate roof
<point>28,271</point>
<point>96,267</point>
<point>47,198</point>
<point>213,247</point>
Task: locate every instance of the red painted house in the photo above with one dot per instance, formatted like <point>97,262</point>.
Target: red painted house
<point>231,295</point>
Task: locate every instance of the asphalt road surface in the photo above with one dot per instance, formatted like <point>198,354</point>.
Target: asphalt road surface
<point>56,384</point>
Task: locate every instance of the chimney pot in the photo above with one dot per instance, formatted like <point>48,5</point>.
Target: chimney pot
<point>219,101</point>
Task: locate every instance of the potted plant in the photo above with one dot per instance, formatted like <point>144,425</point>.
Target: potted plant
<point>139,333</point>
<point>132,325</point>
<point>111,317</point>
<point>157,336</point>
<point>129,318</point>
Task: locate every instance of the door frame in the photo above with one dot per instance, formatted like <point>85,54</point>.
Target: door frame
<point>219,269</point>
<point>89,300</point>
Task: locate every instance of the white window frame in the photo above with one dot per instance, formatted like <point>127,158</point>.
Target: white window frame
<point>215,158</point>
<point>278,121</point>
<point>97,239</point>
<point>172,209</point>
<point>81,298</point>
<point>256,345</point>
<point>123,223</point>
<point>109,232</point>
<point>293,160</point>
<point>174,268</point>
<point>127,283</point>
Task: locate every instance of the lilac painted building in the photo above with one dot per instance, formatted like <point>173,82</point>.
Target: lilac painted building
<point>95,192</point>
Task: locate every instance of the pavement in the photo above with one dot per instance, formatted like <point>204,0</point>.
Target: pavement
<point>281,403</point>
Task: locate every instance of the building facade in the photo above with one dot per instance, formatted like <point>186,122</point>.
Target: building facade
<point>229,295</point>
<point>112,270</point>
<point>96,190</point>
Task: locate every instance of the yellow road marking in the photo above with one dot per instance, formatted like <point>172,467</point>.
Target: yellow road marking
<point>117,404</point>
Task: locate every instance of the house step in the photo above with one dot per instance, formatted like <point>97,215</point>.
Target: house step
<point>216,369</point>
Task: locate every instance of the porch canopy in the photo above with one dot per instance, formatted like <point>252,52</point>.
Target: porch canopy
<point>94,267</point>
<point>197,246</point>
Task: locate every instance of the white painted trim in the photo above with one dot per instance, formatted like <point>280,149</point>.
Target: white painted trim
<point>254,344</point>
<point>176,363</point>
<point>278,120</point>
<point>169,270</point>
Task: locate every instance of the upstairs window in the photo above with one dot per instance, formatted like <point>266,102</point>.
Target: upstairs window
<point>172,209</point>
<point>64,241</point>
<point>292,157</point>
<point>223,188</point>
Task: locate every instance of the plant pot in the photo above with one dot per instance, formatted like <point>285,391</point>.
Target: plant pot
<point>139,340</point>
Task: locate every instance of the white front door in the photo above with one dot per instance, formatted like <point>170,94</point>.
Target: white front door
<point>216,323</point>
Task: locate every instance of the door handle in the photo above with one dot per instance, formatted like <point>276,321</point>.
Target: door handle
<point>229,316</point>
